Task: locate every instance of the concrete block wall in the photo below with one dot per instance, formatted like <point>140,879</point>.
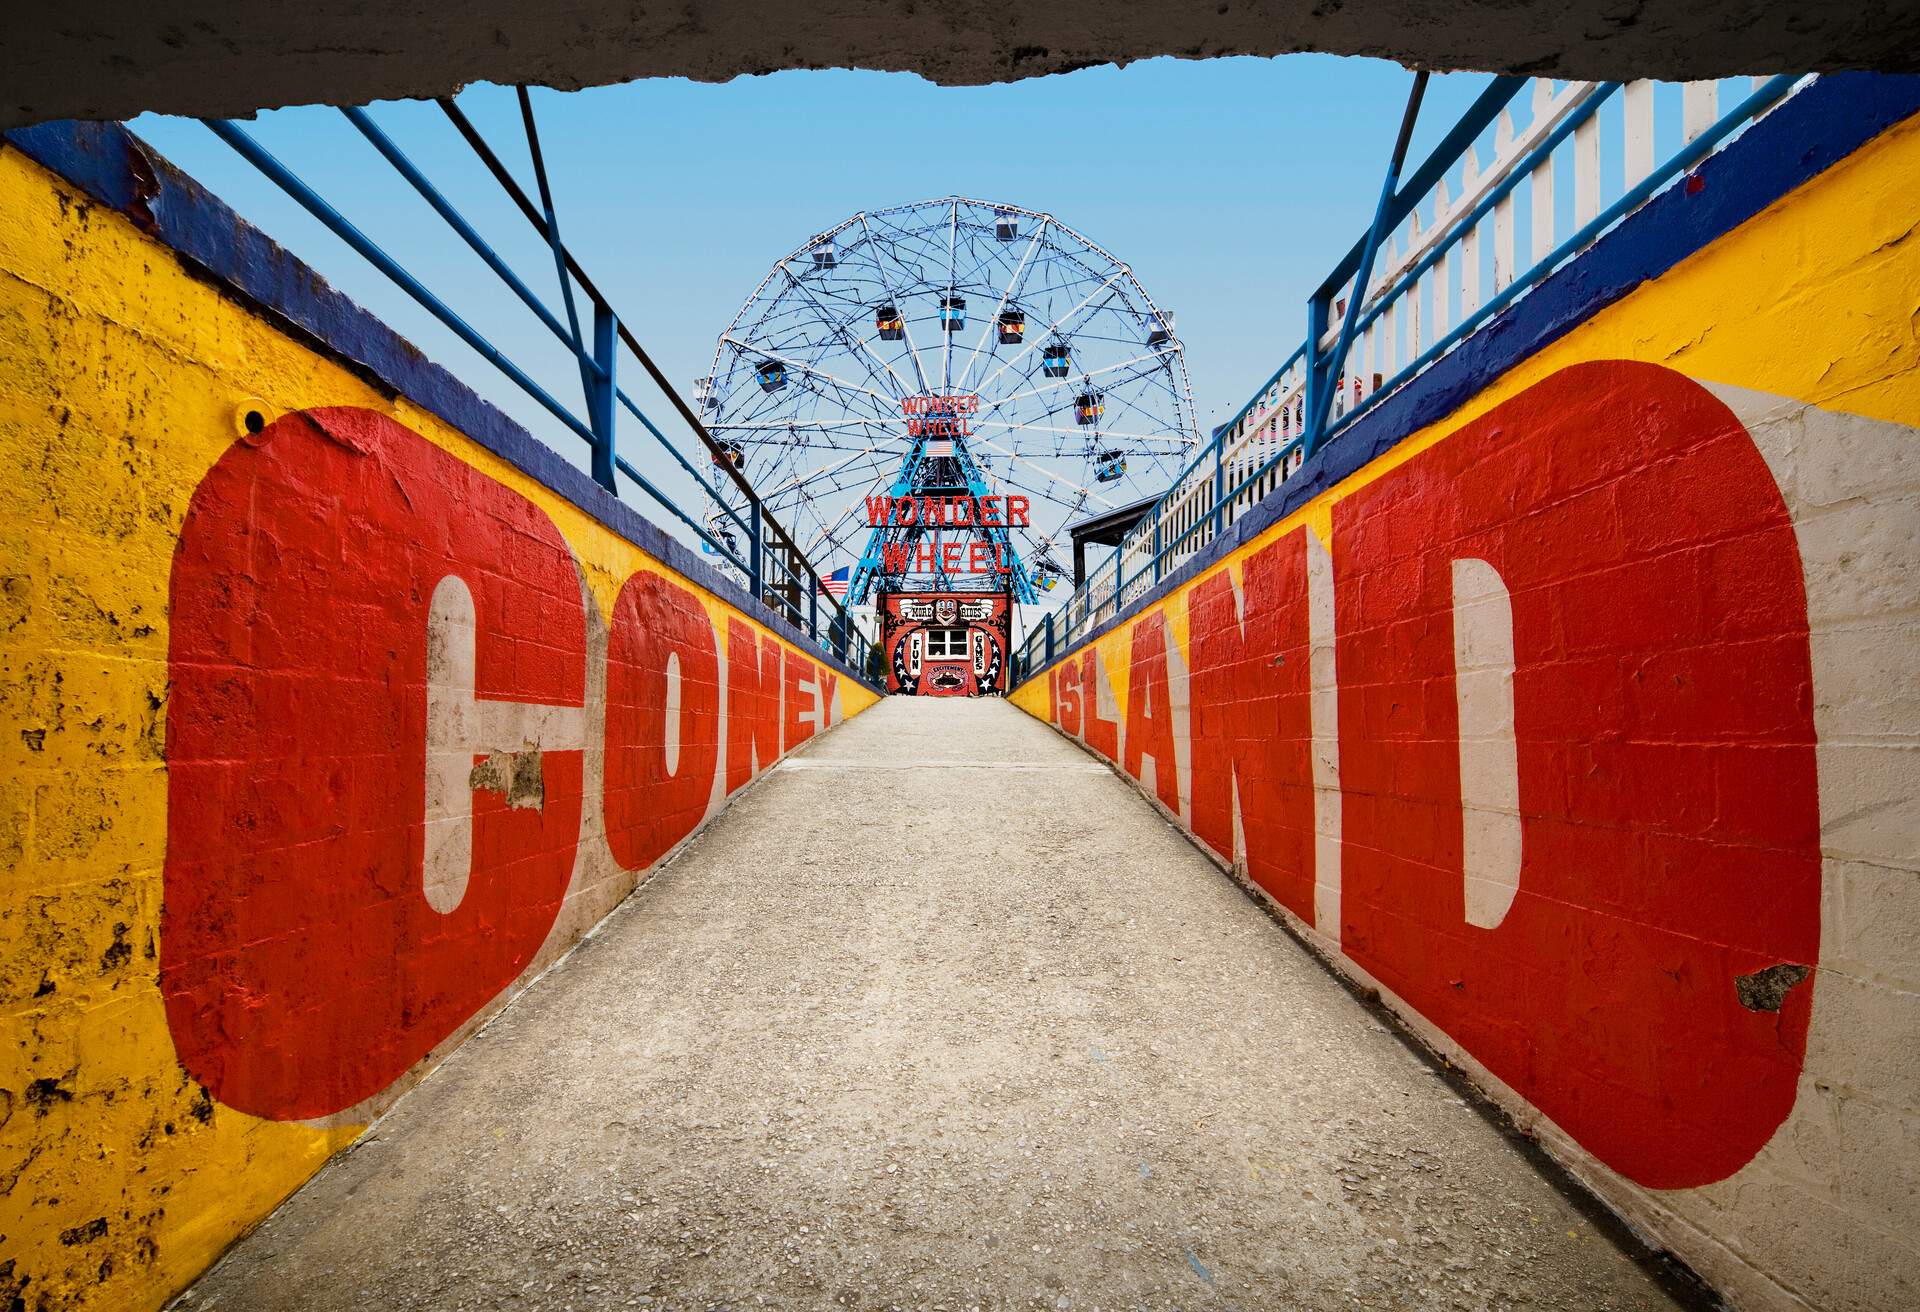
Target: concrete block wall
<point>1581,722</point>
<point>330,721</point>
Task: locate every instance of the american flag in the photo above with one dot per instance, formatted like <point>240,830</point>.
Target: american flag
<point>835,584</point>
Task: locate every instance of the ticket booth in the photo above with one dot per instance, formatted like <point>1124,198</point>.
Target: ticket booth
<point>946,644</point>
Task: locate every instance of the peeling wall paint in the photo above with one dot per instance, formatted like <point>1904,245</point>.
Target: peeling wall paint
<point>224,57</point>
<point>1581,724</point>
<point>230,652</point>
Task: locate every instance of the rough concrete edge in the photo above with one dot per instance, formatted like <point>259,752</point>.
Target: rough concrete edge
<point>1802,137</point>
<point>1478,1088</point>
<point>216,246</point>
<point>496,1008</point>
<point>143,186</point>
<point>1759,168</point>
<point>199,59</point>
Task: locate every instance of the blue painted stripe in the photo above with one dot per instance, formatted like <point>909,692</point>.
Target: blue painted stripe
<point>1802,138</point>
<point>117,169</point>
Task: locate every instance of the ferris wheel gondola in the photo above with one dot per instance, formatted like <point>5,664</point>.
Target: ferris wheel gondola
<point>1057,360</point>
<point>1067,384</point>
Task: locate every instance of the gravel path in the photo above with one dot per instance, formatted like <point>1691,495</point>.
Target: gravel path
<point>940,1015</point>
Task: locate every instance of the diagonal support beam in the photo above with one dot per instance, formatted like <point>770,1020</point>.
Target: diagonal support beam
<point>1324,372</point>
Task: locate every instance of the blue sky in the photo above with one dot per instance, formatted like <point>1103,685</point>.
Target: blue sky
<point>1230,186</point>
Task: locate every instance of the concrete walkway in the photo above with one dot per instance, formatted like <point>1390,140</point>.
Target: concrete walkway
<point>939,1015</point>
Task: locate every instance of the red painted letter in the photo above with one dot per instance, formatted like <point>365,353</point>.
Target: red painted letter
<point>1252,729</point>
<point>1067,704</point>
<point>361,848</point>
<point>1150,711</point>
<point>1667,837</point>
<point>804,705</point>
<point>1103,736</point>
<point>659,772</point>
<point>753,703</point>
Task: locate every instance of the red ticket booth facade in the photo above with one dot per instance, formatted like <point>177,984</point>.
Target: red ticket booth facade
<point>946,644</point>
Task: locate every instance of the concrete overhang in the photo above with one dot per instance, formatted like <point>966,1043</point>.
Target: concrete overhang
<point>117,58</point>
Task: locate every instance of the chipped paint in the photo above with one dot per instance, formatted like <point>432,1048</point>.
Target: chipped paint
<point>131,379</point>
<point>1621,654</point>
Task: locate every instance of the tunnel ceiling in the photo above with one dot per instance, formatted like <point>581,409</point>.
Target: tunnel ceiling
<point>116,58</point>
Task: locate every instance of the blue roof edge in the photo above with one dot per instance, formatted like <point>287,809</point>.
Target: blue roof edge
<point>114,167</point>
<point>1805,135</point>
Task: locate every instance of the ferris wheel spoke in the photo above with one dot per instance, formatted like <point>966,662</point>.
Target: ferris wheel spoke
<point>781,424</point>
<point>989,257</point>
<point>1006,294</point>
<point>788,360</point>
<point>920,238</point>
<point>1072,505</point>
<point>856,502</point>
<point>803,487</point>
<point>1016,426</point>
<point>828,446</point>
<point>1073,380</point>
<point>893,296</point>
<point>1035,465</point>
<point>1000,481</point>
<point>846,473</point>
<point>1127,405</point>
<point>1054,326</point>
<point>946,336</point>
<point>873,476</point>
<point>823,471</point>
<point>841,330</point>
<point>905,389</point>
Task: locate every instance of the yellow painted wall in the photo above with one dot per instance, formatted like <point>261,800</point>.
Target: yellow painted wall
<point>1806,322</point>
<point>1814,299</point>
<point>122,380</point>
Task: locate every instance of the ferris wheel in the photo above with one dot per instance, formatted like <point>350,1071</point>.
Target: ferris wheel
<point>1077,388</point>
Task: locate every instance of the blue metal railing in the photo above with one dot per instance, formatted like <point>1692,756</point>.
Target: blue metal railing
<point>1314,396</point>
<point>775,568</point>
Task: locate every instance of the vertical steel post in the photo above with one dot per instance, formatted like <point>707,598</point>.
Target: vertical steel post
<point>813,610</point>
<point>1220,483</point>
<point>1049,623</point>
<point>600,393</point>
<point>753,560</point>
<point>1316,398</point>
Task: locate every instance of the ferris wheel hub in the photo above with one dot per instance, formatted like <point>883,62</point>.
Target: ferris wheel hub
<point>949,348</point>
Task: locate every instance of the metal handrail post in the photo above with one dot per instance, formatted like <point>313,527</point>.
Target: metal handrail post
<point>600,411</point>
<point>551,230</point>
<point>1219,483</point>
<point>1314,401</point>
<point>1324,373</point>
<point>535,216</point>
<point>1634,197</point>
<point>753,575</point>
<point>308,199</point>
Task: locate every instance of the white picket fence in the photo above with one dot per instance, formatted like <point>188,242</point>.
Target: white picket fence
<point>1468,252</point>
<point>1561,164</point>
